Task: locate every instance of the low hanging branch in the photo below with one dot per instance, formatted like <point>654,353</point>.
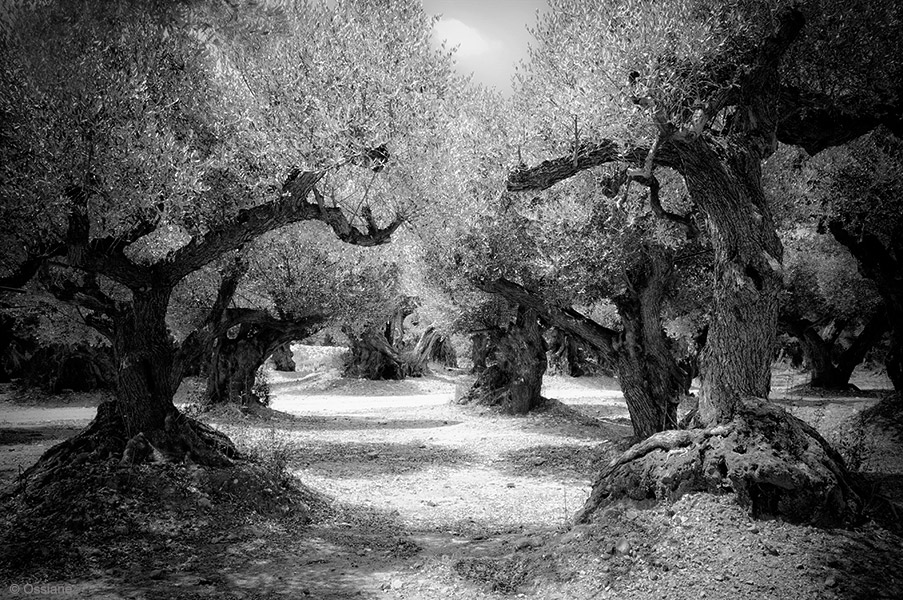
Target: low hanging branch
<point>106,256</point>
<point>291,207</point>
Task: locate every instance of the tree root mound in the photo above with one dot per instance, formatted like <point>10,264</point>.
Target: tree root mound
<point>181,439</point>
<point>775,464</point>
<point>92,515</point>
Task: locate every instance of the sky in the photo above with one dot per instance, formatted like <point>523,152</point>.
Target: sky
<point>491,35</point>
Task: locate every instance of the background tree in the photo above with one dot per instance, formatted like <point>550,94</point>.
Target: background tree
<point>857,194</point>
<point>46,344</point>
<point>835,313</point>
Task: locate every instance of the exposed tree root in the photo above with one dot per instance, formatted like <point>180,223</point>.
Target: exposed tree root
<point>181,439</point>
<point>777,465</point>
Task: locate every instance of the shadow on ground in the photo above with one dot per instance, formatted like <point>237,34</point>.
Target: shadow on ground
<point>565,461</point>
<point>341,423</point>
<point>353,459</point>
<point>815,401</point>
<point>332,558</point>
<point>297,383</point>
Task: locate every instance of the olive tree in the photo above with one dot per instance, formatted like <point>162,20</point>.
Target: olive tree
<point>835,313</point>
<point>707,90</point>
<point>143,143</point>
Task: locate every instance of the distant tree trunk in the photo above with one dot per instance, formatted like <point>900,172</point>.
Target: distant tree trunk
<point>514,381</point>
<point>831,365</point>
<point>79,367</point>
<point>372,357</point>
<point>377,353</point>
<point>648,373</point>
<point>432,345</point>
<point>444,353</point>
<point>881,263</point>
<point>244,348</point>
<point>480,349</point>
<point>564,353</point>
<point>11,359</point>
<point>283,359</point>
<point>650,377</point>
<point>233,367</point>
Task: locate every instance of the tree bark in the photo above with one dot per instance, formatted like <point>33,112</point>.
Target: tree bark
<point>148,372</point>
<point>244,348</point>
<point>372,357</point>
<point>514,381</point>
<point>233,368</point>
<point>650,378</point>
<point>564,353</point>
<point>480,349</point>
<point>736,361</point>
<point>282,357</point>
<point>378,353</point>
<point>432,345</point>
<point>444,353</point>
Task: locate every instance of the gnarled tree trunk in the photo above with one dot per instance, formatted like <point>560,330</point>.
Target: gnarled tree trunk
<point>244,348</point>
<point>736,361</point>
<point>432,345</point>
<point>480,349</point>
<point>831,365</point>
<point>650,377</point>
<point>444,353</point>
<point>377,353</point>
<point>372,357</point>
<point>233,367</point>
<point>149,371</point>
<point>513,382</point>
<point>564,353</point>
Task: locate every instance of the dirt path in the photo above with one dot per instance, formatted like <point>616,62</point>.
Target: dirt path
<point>432,501</point>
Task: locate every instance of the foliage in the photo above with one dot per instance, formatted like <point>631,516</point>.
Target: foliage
<point>184,114</point>
<point>297,273</point>
<point>860,184</point>
<point>822,281</point>
<point>594,59</point>
<point>612,70</point>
